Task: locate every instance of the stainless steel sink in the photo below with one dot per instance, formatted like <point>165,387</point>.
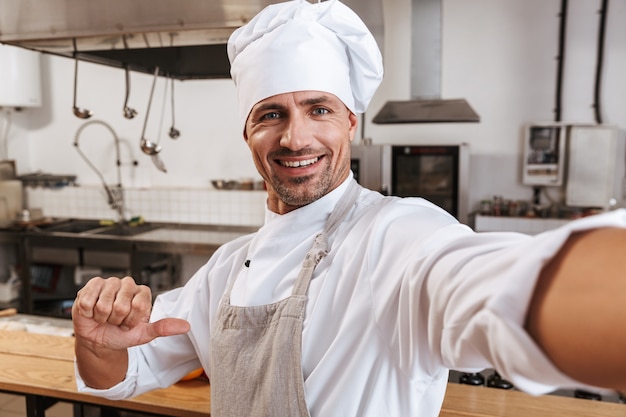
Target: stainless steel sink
<point>125,229</point>
<point>73,226</point>
<point>94,227</point>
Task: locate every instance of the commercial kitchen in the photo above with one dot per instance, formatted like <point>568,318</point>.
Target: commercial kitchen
<point>120,153</point>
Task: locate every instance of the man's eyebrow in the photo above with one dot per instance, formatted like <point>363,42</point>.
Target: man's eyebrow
<point>315,100</point>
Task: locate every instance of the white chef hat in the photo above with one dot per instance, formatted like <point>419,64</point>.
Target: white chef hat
<point>296,46</point>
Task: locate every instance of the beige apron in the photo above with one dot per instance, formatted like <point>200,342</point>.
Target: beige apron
<point>256,351</point>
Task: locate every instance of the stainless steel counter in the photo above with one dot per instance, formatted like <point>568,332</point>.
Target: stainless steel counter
<point>185,240</point>
<point>167,237</point>
<point>73,244</point>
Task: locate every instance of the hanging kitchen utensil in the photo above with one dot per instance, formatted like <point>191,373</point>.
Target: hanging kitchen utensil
<point>78,112</point>
<point>156,159</point>
<point>174,133</point>
<point>148,147</point>
<point>129,113</point>
<point>158,162</point>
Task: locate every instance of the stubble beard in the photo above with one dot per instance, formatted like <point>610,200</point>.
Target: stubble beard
<point>296,193</point>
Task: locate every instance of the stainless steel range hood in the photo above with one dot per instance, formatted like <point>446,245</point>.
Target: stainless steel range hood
<point>426,104</point>
<point>426,111</point>
<point>186,39</point>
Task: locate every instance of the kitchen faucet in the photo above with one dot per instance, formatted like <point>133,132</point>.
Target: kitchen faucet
<point>115,195</point>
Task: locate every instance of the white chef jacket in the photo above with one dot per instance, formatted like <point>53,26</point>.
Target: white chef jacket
<point>405,294</point>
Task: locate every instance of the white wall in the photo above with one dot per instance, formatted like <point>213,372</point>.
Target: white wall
<point>501,56</point>
<point>498,54</point>
<point>209,146</point>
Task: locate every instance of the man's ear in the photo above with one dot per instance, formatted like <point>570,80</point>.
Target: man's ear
<point>354,122</point>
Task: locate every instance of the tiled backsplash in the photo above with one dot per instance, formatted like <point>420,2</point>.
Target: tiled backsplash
<point>175,205</point>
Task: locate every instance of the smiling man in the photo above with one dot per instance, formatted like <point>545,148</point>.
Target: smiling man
<point>300,143</point>
<point>346,302</point>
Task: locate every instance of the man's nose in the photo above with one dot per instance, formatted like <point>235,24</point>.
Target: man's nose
<point>297,134</point>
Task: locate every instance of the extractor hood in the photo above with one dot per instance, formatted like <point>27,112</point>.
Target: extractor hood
<point>426,104</point>
<point>186,39</point>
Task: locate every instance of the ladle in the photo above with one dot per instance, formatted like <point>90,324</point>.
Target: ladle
<point>156,158</point>
<point>78,112</point>
<point>149,147</point>
<point>129,113</point>
<point>174,133</point>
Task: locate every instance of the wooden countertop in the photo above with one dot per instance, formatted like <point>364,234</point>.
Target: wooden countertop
<point>42,364</point>
<point>470,401</point>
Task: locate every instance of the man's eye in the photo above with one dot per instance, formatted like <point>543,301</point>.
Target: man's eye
<point>270,116</point>
<point>320,110</point>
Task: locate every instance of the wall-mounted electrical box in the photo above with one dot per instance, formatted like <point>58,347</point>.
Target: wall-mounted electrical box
<point>595,167</point>
<point>544,154</point>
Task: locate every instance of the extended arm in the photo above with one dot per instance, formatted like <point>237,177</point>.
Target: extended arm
<point>578,310</point>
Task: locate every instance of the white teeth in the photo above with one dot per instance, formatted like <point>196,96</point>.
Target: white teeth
<point>296,164</point>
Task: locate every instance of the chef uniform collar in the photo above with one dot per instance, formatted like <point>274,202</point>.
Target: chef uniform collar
<point>298,46</point>
<point>311,213</point>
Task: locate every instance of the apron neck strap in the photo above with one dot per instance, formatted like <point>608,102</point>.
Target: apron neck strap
<point>321,245</point>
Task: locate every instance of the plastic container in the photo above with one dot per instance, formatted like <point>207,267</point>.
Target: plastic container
<point>9,291</point>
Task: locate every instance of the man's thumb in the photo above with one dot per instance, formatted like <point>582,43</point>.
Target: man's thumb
<point>169,327</point>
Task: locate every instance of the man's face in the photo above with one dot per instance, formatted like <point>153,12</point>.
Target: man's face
<point>300,144</point>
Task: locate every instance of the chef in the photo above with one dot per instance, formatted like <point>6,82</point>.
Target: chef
<point>348,303</point>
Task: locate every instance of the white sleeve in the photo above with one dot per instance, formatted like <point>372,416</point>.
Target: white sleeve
<point>124,389</point>
<point>478,311</point>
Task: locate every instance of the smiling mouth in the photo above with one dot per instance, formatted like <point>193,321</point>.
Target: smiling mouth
<point>299,164</point>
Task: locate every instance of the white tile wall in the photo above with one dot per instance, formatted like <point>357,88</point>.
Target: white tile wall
<point>176,205</point>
